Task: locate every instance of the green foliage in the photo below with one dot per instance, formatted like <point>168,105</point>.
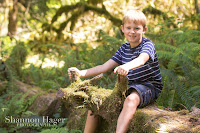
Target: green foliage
<point>81,55</point>
<point>6,45</point>
<point>179,60</point>
<point>15,105</point>
<point>48,84</point>
<point>17,59</point>
<point>46,78</point>
<point>3,130</point>
<point>37,11</point>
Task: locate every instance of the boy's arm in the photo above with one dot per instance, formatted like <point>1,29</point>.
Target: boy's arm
<point>110,64</point>
<point>135,63</point>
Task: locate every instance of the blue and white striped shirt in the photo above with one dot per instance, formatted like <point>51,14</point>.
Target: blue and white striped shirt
<point>149,72</point>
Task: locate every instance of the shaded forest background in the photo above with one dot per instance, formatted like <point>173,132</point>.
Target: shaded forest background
<point>41,39</point>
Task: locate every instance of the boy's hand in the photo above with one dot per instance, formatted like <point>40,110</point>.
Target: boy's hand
<point>121,70</point>
<point>73,69</point>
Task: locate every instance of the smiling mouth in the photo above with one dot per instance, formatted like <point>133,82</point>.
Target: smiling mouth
<point>132,36</point>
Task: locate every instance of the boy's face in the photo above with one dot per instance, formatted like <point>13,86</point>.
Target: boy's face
<point>133,32</point>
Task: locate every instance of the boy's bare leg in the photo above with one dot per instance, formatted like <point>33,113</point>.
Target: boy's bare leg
<point>91,123</point>
<point>129,108</point>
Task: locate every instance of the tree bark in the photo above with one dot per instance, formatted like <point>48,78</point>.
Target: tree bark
<point>196,6</point>
<point>12,25</point>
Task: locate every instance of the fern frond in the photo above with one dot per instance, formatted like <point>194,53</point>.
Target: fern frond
<point>111,40</point>
<point>195,90</point>
<point>165,47</point>
<point>182,92</point>
<point>189,36</point>
<point>185,95</point>
<point>180,57</point>
<point>171,98</point>
<point>196,75</point>
<point>164,55</point>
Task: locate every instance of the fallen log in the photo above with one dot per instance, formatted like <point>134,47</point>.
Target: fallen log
<point>82,95</point>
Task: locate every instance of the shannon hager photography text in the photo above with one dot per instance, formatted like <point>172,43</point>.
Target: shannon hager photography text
<point>34,121</point>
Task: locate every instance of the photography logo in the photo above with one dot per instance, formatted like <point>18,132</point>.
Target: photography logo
<point>34,121</point>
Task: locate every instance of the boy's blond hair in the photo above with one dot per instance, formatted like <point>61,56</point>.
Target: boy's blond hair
<point>135,16</point>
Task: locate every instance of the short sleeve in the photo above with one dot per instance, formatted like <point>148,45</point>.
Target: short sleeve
<point>149,48</point>
<point>117,57</point>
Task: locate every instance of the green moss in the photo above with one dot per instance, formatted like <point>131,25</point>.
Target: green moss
<point>141,123</point>
<point>162,119</point>
<point>183,112</point>
<point>77,118</point>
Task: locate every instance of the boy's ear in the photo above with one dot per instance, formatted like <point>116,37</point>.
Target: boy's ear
<point>122,28</point>
<point>144,29</point>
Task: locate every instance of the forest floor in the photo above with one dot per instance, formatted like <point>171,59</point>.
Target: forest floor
<point>162,120</point>
<point>183,121</point>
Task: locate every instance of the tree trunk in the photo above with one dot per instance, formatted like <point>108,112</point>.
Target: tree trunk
<point>196,6</point>
<point>197,13</point>
<point>12,25</point>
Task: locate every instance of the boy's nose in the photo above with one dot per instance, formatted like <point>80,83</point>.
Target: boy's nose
<point>132,31</point>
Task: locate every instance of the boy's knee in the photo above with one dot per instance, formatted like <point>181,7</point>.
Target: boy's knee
<point>89,112</point>
<point>133,99</point>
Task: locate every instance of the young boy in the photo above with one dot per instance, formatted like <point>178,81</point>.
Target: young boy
<point>135,59</point>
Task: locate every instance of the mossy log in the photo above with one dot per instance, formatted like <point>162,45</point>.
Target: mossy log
<point>103,102</point>
<point>81,96</point>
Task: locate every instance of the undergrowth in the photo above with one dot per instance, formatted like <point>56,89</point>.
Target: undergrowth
<point>15,105</point>
<point>179,58</point>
